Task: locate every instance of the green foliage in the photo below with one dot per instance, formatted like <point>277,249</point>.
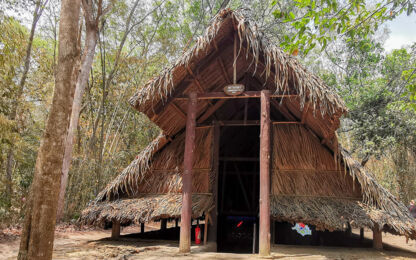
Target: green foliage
<point>322,21</point>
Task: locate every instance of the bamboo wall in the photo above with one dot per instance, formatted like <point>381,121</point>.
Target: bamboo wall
<point>302,166</point>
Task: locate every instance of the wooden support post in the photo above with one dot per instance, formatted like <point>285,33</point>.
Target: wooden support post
<point>142,228</point>
<point>212,229</point>
<point>185,233</point>
<point>206,228</point>
<point>163,224</point>
<point>176,223</point>
<point>264,225</point>
<point>377,238</point>
<point>115,230</point>
<point>361,234</point>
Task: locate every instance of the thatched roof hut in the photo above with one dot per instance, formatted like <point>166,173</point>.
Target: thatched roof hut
<point>313,179</point>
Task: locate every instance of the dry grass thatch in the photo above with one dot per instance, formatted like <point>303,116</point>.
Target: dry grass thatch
<point>385,208</point>
<point>284,70</point>
<point>333,213</point>
<point>143,209</point>
<point>307,185</point>
<point>301,165</point>
<point>164,173</point>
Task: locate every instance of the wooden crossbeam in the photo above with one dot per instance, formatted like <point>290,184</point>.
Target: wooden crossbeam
<point>223,70</point>
<point>240,159</point>
<point>211,110</point>
<point>178,110</point>
<point>222,95</point>
<point>197,83</point>
<point>251,123</point>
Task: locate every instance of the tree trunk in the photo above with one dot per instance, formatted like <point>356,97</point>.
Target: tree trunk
<point>90,43</point>
<point>39,226</point>
<point>9,177</point>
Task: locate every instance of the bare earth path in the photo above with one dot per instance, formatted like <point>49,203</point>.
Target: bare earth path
<point>96,245</point>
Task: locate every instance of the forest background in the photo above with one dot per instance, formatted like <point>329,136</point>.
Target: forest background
<point>341,41</point>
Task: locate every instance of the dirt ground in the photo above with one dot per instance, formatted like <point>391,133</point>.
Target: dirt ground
<point>95,244</point>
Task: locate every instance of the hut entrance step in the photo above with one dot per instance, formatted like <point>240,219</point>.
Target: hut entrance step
<point>238,190</point>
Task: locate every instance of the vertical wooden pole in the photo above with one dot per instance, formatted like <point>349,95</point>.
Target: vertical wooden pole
<point>206,228</point>
<point>212,232</point>
<point>142,228</point>
<point>264,225</point>
<point>176,222</point>
<point>163,224</point>
<point>185,233</point>
<point>361,234</point>
<point>115,230</point>
<point>377,238</point>
<point>254,238</point>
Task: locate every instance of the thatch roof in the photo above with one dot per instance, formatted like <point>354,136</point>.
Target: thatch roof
<point>257,56</point>
<point>279,72</point>
<point>135,170</point>
<point>168,163</point>
<point>384,208</point>
<point>334,213</point>
<point>147,207</point>
<point>376,206</point>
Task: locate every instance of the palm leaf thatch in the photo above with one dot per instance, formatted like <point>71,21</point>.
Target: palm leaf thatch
<point>134,172</point>
<point>270,61</point>
<point>157,170</point>
<point>383,207</point>
<point>334,213</point>
<point>314,179</point>
<point>147,207</point>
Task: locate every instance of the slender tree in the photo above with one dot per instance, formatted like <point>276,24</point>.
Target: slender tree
<point>92,22</point>
<point>39,226</point>
<point>39,7</point>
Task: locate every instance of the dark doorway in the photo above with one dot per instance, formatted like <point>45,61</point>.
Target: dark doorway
<point>238,189</point>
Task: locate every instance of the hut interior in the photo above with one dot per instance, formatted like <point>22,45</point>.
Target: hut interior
<point>239,161</point>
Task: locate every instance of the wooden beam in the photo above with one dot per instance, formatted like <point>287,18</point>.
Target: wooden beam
<point>251,123</point>
<point>142,228</point>
<point>239,122</point>
<point>186,211</point>
<point>264,228</point>
<point>197,83</point>
<point>223,70</point>
<point>240,159</point>
<point>211,110</point>
<point>212,233</point>
<point>115,230</point>
<point>206,228</point>
<point>377,237</point>
<point>222,95</point>
<point>286,123</point>
<point>178,110</point>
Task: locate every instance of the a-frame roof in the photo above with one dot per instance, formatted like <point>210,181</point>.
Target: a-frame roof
<point>208,66</point>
